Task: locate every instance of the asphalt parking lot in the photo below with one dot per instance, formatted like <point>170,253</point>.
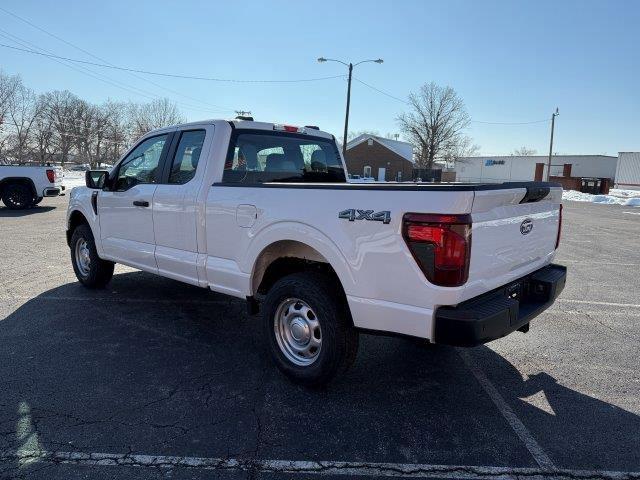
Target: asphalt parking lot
<point>155,379</point>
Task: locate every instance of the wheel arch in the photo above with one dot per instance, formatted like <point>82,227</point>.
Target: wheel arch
<point>76,218</point>
<point>297,243</point>
<point>5,182</point>
<point>282,258</point>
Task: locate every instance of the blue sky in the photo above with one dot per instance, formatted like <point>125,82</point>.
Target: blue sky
<point>511,61</point>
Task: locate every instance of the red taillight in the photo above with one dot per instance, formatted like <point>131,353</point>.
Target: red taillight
<point>559,227</point>
<point>51,175</point>
<point>441,245</point>
<point>289,128</point>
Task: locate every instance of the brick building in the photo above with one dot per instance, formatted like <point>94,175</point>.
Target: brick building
<point>372,156</point>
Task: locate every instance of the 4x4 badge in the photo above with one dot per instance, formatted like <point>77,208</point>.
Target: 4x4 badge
<point>353,214</point>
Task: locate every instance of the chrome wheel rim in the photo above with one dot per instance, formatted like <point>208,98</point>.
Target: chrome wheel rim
<point>83,257</point>
<point>297,332</point>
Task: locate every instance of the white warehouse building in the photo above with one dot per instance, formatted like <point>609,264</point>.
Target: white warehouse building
<point>628,171</point>
<point>534,167</point>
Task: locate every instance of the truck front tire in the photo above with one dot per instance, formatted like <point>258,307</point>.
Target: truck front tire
<point>307,323</point>
<point>17,196</point>
<point>90,269</point>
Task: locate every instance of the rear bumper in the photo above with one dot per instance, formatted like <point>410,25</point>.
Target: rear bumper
<point>53,191</point>
<point>499,312</point>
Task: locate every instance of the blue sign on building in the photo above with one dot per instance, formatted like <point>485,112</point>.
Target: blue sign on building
<point>489,162</point>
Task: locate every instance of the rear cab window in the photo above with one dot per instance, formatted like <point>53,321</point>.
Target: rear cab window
<point>258,156</point>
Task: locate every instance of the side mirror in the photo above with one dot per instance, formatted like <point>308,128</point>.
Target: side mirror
<point>95,178</point>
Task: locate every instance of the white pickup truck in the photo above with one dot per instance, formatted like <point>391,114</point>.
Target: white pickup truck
<point>25,186</point>
<point>263,212</point>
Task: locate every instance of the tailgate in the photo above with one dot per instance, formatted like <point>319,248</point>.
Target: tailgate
<point>511,239</point>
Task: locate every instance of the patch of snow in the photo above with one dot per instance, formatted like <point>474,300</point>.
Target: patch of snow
<point>619,192</point>
<point>632,199</point>
<point>73,179</point>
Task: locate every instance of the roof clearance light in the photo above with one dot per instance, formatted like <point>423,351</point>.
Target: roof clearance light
<point>289,128</point>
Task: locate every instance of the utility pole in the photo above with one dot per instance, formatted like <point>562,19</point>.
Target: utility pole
<point>346,117</point>
<point>553,123</point>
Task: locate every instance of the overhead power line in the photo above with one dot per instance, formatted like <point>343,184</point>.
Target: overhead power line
<point>171,75</point>
<point>98,76</point>
<point>53,35</point>
<point>546,120</point>
<point>381,91</point>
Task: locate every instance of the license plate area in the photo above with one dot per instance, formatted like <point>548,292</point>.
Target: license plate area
<point>514,290</point>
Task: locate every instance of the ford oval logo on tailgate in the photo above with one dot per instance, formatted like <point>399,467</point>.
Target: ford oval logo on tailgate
<point>526,226</point>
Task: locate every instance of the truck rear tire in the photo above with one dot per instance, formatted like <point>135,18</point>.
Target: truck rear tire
<point>17,196</point>
<point>90,269</point>
<point>308,327</point>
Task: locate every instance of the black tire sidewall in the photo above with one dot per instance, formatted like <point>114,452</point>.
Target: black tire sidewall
<point>25,192</point>
<point>84,232</point>
<point>315,290</point>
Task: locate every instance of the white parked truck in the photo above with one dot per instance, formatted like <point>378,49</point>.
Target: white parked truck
<point>25,186</point>
<point>264,212</point>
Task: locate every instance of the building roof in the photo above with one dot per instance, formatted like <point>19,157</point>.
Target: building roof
<point>539,156</point>
<point>404,149</point>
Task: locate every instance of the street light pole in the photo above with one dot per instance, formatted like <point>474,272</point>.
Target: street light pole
<point>346,116</point>
<point>553,123</point>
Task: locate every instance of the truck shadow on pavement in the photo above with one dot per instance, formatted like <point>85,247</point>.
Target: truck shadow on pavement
<point>154,366</point>
<point>8,213</point>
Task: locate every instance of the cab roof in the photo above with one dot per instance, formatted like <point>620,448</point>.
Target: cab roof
<point>248,125</point>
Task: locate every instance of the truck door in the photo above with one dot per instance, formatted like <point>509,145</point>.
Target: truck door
<point>125,210</point>
<point>175,206</point>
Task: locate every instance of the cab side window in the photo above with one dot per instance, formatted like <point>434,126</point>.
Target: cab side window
<point>185,160</point>
<point>141,165</point>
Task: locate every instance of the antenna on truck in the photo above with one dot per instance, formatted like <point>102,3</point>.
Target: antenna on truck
<point>244,115</point>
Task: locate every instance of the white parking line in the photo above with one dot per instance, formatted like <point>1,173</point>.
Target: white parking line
<point>349,469</point>
<point>590,302</point>
<point>557,311</point>
<point>589,262</point>
<point>117,299</point>
<point>512,419</point>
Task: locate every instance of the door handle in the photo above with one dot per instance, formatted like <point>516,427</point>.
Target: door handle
<point>141,203</point>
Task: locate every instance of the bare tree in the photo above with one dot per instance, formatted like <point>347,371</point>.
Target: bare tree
<point>435,124</point>
<point>524,152</point>
<point>41,135</point>
<point>156,114</point>
<point>83,131</point>
<point>58,125</point>
<point>117,135</point>
<point>461,151</point>
<point>100,130</point>
<point>23,111</point>
<point>61,109</point>
<point>8,87</point>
